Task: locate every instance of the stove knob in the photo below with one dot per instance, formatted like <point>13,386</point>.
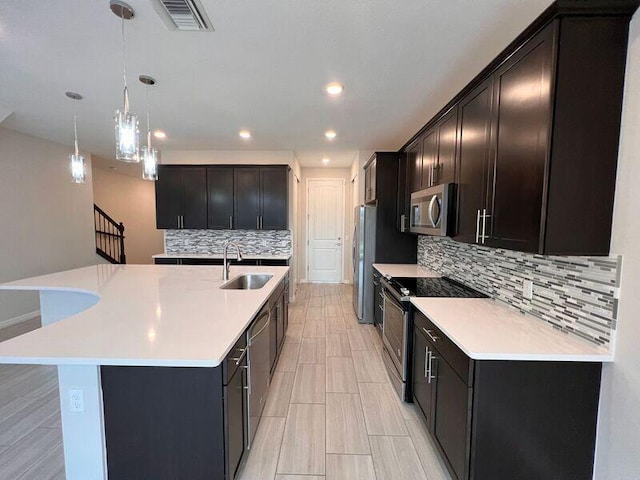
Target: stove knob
<point>404,291</point>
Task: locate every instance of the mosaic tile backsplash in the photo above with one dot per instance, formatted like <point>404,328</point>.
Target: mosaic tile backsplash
<point>253,242</point>
<point>575,294</point>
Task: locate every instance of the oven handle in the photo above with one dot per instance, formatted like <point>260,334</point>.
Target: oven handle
<point>392,301</point>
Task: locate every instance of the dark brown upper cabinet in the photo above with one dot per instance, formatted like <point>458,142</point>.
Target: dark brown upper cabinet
<point>220,197</point>
<point>536,137</point>
<point>273,195</point>
<point>261,198</point>
<point>181,197</point>
<point>370,179</point>
<point>473,161</point>
<point>246,205</point>
<point>429,158</point>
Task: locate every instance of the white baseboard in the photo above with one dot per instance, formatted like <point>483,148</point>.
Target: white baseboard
<point>20,318</point>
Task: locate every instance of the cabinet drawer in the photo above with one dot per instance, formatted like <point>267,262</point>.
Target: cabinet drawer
<point>459,361</point>
<point>234,358</point>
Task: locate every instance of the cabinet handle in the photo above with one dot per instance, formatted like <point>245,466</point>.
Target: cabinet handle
<point>178,221</point>
<point>478,227</point>
<point>484,224</point>
<point>427,364</point>
<point>430,334</point>
<point>403,219</point>
<point>261,222</point>
<point>239,359</point>
<point>430,358</point>
<point>258,222</point>
<point>230,222</point>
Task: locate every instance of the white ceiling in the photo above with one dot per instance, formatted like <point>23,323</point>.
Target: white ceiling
<point>262,69</point>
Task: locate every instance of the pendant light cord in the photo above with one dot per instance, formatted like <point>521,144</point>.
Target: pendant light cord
<point>148,122</point>
<point>124,68</point>
<point>75,128</point>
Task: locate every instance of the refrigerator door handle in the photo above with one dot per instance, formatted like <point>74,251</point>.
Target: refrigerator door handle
<point>353,248</point>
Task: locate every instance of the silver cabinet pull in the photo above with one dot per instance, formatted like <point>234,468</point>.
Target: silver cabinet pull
<point>427,365</point>
<point>478,227</point>
<point>430,334</point>
<point>230,222</point>
<point>258,222</point>
<point>178,221</point>
<point>261,222</point>
<point>239,359</point>
<point>484,224</point>
<point>431,357</point>
<point>403,220</point>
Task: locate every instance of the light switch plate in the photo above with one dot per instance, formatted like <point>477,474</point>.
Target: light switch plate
<point>527,289</point>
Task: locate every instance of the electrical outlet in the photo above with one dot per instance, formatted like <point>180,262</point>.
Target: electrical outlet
<point>527,289</point>
<point>76,400</point>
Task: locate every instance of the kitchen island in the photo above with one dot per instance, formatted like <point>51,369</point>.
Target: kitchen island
<point>107,325</point>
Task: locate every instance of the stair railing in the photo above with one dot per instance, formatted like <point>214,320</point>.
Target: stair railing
<point>109,237</point>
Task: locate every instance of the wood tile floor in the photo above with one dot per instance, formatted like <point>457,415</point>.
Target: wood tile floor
<point>331,415</point>
<point>30,430</point>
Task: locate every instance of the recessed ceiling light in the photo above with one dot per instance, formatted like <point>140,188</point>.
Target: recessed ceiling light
<point>245,134</point>
<point>330,134</point>
<point>159,134</point>
<point>325,161</point>
<point>334,88</point>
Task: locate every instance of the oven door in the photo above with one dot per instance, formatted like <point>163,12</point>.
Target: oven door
<point>394,333</point>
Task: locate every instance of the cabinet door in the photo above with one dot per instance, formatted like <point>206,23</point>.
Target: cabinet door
<point>404,196</point>
<point>235,411</point>
<point>220,197</point>
<point>372,180</point>
<point>473,160</point>
<point>452,416</point>
<point>414,159</point>
<point>429,158</point>
<point>168,197</point>
<point>522,119</point>
<point>447,143</point>
<point>273,338</point>
<point>246,204</point>
<point>274,190</point>
<point>423,387</point>
<point>280,329</point>
<point>194,197</point>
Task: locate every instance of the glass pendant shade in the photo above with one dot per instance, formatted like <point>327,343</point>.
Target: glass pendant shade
<point>127,137</point>
<point>150,160</point>
<point>78,168</point>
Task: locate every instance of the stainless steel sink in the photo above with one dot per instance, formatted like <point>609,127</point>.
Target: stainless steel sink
<point>247,282</point>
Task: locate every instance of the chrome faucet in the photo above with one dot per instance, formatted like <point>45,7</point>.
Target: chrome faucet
<point>225,263</point>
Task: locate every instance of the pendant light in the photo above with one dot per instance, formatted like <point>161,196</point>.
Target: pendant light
<point>77,163</point>
<point>126,123</point>
<point>150,156</point>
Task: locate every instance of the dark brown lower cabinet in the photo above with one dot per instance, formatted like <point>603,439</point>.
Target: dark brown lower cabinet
<point>505,420</point>
<point>168,423</point>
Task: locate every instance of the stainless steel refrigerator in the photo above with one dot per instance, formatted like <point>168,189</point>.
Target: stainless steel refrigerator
<point>364,247</point>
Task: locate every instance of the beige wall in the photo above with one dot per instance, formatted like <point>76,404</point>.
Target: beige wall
<point>131,201</point>
<point>619,425</point>
<point>325,173</point>
<point>46,221</point>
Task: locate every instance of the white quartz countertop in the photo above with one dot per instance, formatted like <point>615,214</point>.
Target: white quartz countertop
<point>487,329</point>
<point>404,270</point>
<point>219,256</point>
<point>146,315</point>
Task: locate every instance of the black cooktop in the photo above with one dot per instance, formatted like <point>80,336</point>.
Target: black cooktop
<point>432,287</point>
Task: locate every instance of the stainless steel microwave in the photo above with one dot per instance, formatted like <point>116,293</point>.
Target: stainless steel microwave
<point>430,210</point>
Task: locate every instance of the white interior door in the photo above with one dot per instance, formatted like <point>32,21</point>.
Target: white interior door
<point>325,221</point>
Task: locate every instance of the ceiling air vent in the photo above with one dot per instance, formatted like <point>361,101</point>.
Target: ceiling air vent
<point>185,15</point>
